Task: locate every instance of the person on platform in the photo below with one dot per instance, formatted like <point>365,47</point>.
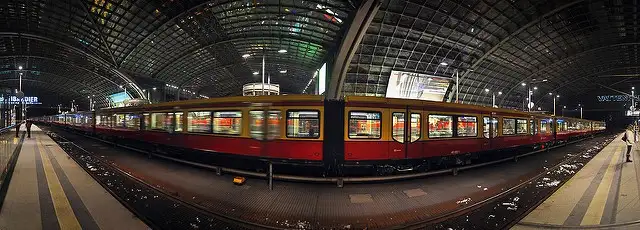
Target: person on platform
<point>627,139</point>
<point>28,124</point>
<point>18,123</point>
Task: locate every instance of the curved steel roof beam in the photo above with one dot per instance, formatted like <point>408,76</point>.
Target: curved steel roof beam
<point>125,78</point>
<point>552,65</point>
<point>513,34</point>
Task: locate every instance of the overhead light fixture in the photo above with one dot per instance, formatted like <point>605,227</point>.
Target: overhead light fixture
<point>154,88</point>
<point>256,73</point>
<point>444,63</point>
<point>550,93</point>
<point>500,93</point>
<point>20,67</point>
<point>283,71</point>
<point>523,84</point>
<point>557,95</point>
<point>486,90</point>
<point>282,51</point>
<point>246,55</point>
<point>545,80</point>
<point>535,88</point>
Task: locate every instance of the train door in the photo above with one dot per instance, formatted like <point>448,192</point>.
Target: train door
<point>397,146</point>
<point>490,131</point>
<point>414,133</point>
<point>405,132</point>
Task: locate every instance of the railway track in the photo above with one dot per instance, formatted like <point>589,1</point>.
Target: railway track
<point>448,219</point>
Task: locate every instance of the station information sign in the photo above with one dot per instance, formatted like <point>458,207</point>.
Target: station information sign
<point>13,100</point>
<point>419,86</point>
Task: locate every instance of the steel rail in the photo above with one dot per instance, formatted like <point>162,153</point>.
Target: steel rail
<point>172,197</point>
<point>294,178</point>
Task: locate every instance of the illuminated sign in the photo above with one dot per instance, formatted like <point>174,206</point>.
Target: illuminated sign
<point>614,98</point>
<point>322,79</point>
<point>15,101</point>
<point>633,113</point>
<point>419,86</point>
<point>118,99</point>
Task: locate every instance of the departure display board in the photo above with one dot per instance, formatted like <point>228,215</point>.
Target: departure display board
<point>409,85</point>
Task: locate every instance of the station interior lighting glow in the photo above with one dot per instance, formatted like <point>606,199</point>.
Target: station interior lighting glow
<point>246,55</point>
<point>523,84</point>
<point>283,71</point>
<point>486,90</point>
<point>550,93</point>
<point>443,63</point>
<point>535,87</point>
<point>500,93</point>
<point>256,73</point>
<point>282,51</point>
<point>20,67</point>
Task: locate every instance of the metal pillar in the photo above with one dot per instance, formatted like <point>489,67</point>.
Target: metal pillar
<point>263,73</point>
<point>457,86</point>
<point>494,100</point>
<point>554,106</point>
<point>341,57</point>
<point>580,112</point>
<point>529,104</point>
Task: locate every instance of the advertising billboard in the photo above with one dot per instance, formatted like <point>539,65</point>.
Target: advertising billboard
<point>409,85</point>
<point>118,99</point>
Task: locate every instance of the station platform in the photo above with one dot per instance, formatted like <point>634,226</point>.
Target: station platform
<point>602,195</point>
<point>48,190</point>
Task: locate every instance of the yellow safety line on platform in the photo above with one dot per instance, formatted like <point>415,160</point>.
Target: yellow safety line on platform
<point>66,218</point>
<point>599,200</point>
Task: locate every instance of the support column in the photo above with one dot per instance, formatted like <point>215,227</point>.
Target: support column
<point>348,46</point>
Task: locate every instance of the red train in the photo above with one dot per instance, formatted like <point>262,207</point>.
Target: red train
<point>357,134</point>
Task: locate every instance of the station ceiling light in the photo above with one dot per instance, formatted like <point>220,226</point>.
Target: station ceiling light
<point>486,90</point>
<point>283,71</point>
<point>444,64</point>
<point>523,84</point>
<point>557,95</point>
<point>282,51</point>
<point>20,67</point>
<point>500,93</point>
<point>535,87</point>
<point>550,93</point>
<point>256,73</point>
<point>246,55</point>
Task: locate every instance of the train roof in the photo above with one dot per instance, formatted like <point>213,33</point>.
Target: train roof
<point>317,100</point>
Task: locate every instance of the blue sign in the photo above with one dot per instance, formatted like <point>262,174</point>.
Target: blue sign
<point>13,100</point>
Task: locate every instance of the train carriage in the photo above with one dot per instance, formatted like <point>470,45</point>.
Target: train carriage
<point>386,135</point>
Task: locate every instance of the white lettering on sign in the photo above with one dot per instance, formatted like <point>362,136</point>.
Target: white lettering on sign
<point>16,100</point>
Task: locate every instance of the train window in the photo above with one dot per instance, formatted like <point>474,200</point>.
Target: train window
<point>415,127</point>
<point>532,127</point>
<point>467,126</point>
<point>562,126</point>
<point>521,127</point>
<point>132,121</point>
<point>120,121</point>
<point>274,124</point>
<point>178,116</point>
<point>508,126</point>
<point>440,126</point>
<point>303,124</point>
<point>397,127</point>
<point>199,122</point>
<point>365,125</point>
<point>545,126</point>
<point>147,121</point>
<point>256,124</point>
<point>485,126</point>
<point>227,122</point>
<point>162,121</point>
